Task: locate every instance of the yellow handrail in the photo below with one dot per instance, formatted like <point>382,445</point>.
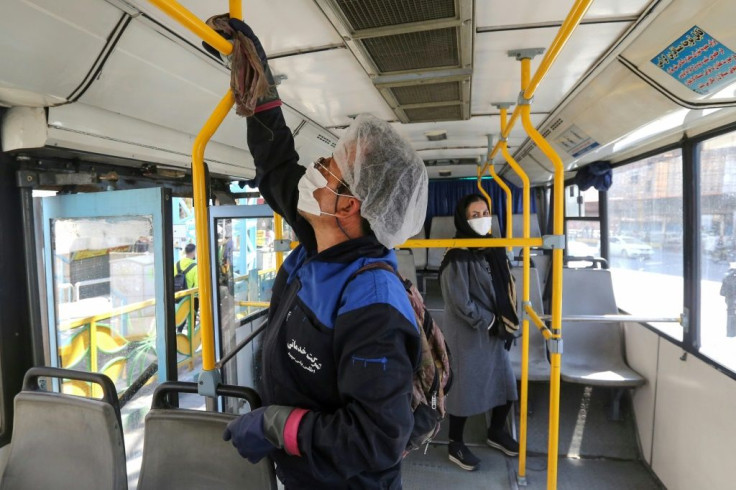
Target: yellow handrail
<point>558,229</point>
<point>191,22</point>
<point>483,191</point>
<point>278,225</point>
<point>187,19</point>
<point>563,35</point>
<point>526,232</point>
<point>202,229</point>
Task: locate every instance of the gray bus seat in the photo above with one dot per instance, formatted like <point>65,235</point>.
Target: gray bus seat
<point>65,441</point>
<point>441,227</point>
<point>518,227</point>
<point>405,259</point>
<point>538,363</point>
<point>593,352</point>
<point>420,254</point>
<point>496,227</point>
<point>183,449</point>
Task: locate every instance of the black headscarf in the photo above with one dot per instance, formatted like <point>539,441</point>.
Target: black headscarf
<point>507,322</point>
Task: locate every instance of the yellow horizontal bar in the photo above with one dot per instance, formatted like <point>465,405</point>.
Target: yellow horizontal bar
<point>472,243</point>
<point>104,316</point>
<point>187,19</point>
<point>254,303</point>
<point>185,292</point>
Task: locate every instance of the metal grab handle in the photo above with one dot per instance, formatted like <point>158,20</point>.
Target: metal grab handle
<point>159,395</point>
<point>109,392</point>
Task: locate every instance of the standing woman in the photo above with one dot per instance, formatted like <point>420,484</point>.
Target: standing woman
<point>479,296</point>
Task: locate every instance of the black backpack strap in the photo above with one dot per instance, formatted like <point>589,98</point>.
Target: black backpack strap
<point>178,267</point>
<point>188,268</point>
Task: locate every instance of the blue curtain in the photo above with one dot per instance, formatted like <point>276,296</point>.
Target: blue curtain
<point>445,194</point>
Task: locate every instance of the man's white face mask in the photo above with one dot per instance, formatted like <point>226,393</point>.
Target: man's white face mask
<point>481,225</point>
<point>310,182</point>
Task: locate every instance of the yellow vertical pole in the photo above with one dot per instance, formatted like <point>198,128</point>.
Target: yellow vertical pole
<point>509,199</point>
<point>526,233</point>
<point>558,230</point>
<point>93,362</point>
<point>278,225</point>
<point>236,9</point>
<point>483,191</point>
<point>204,273</point>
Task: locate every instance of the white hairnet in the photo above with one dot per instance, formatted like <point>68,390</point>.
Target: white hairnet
<point>387,175</point>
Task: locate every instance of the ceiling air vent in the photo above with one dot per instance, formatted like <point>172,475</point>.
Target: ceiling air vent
<point>418,52</point>
<point>441,113</point>
<point>367,14</point>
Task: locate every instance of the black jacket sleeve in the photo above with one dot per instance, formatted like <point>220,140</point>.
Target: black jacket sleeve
<point>375,347</point>
<point>277,169</point>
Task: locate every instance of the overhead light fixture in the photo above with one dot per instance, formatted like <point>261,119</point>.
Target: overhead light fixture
<point>436,135</point>
<point>445,173</point>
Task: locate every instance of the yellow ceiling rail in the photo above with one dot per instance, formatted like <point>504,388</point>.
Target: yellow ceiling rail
<point>509,199</point>
<point>563,35</point>
<point>483,191</point>
<point>204,273</point>
<point>187,19</point>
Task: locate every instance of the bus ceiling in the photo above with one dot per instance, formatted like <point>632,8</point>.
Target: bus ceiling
<point>132,84</point>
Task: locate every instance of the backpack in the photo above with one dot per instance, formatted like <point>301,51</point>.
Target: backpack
<point>180,279</point>
<point>433,377</point>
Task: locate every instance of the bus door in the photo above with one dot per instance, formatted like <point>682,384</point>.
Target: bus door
<point>244,268</point>
<point>109,281</point>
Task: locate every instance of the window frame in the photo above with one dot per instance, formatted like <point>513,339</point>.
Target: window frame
<point>691,218</point>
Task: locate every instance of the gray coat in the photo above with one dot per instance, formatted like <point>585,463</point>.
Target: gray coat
<point>482,375</point>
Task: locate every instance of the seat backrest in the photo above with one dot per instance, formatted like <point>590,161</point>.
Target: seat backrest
<point>419,254</point>
<point>496,227</point>
<point>590,292</point>
<point>518,223</point>
<point>442,227</point>
<point>183,450</point>
<point>405,259</point>
<point>65,441</point>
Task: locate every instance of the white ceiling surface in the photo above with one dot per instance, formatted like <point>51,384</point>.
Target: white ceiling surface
<point>79,28</point>
<point>149,77</point>
<point>279,24</point>
<point>488,13</point>
<point>496,76</point>
<point>328,86</point>
<point>461,133</point>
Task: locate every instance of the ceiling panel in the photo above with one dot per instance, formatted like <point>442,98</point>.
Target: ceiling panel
<point>490,14</point>
<point>181,88</point>
<point>496,75</point>
<point>279,24</point>
<point>329,86</point>
<point>31,31</point>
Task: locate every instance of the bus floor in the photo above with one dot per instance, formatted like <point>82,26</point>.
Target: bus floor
<point>595,452</point>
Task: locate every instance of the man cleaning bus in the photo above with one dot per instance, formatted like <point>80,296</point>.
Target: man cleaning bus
<point>340,349</point>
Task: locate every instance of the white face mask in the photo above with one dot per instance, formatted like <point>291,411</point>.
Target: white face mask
<point>481,225</point>
<point>310,182</point>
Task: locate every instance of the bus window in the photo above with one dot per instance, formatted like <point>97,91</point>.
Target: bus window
<point>645,241</point>
<point>718,249</point>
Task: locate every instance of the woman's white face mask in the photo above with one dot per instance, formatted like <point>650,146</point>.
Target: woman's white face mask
<point>310,182</point>
<point>481,225</point>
